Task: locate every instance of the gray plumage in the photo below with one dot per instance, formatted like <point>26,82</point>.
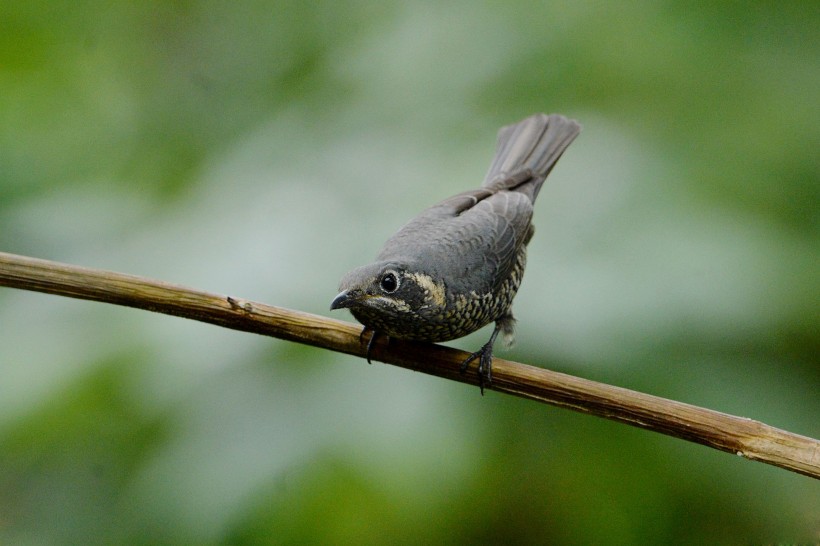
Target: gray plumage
<point>457,265</point>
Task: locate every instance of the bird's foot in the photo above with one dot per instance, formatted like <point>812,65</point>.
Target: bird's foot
<point>485,364</point>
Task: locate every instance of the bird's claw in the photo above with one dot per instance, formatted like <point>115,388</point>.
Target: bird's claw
<point>373,335</point>
<point>485,365</point>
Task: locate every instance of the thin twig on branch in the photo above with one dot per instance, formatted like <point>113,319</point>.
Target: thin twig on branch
<point>745,437</point>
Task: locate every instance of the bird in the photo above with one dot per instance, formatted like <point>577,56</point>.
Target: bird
<point>457,265</point>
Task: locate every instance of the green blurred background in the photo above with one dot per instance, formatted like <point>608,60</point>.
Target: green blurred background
<point>262,149</point>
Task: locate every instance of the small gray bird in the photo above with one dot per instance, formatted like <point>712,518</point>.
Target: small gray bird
<point>456,267</point>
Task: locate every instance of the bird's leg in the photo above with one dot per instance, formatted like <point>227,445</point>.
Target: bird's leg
<point>485,361</point>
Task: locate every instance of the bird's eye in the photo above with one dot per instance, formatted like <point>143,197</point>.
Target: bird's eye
<point>389,282</point>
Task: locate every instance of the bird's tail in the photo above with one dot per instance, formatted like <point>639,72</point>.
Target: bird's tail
<point>527,151</point>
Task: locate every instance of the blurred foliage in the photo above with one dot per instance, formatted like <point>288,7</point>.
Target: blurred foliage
<point>262,149</point>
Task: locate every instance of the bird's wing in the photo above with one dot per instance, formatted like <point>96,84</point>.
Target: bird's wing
<point>471,239</point>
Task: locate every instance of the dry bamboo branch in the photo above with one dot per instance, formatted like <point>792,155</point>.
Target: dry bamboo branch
<point>745,437</point>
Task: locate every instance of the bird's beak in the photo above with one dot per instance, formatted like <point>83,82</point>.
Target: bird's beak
<point>344,299</point>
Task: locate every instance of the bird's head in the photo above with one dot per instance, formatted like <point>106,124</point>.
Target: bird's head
<point>386,290</point>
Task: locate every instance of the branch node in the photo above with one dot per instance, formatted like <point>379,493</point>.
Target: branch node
<point>240,304</point>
